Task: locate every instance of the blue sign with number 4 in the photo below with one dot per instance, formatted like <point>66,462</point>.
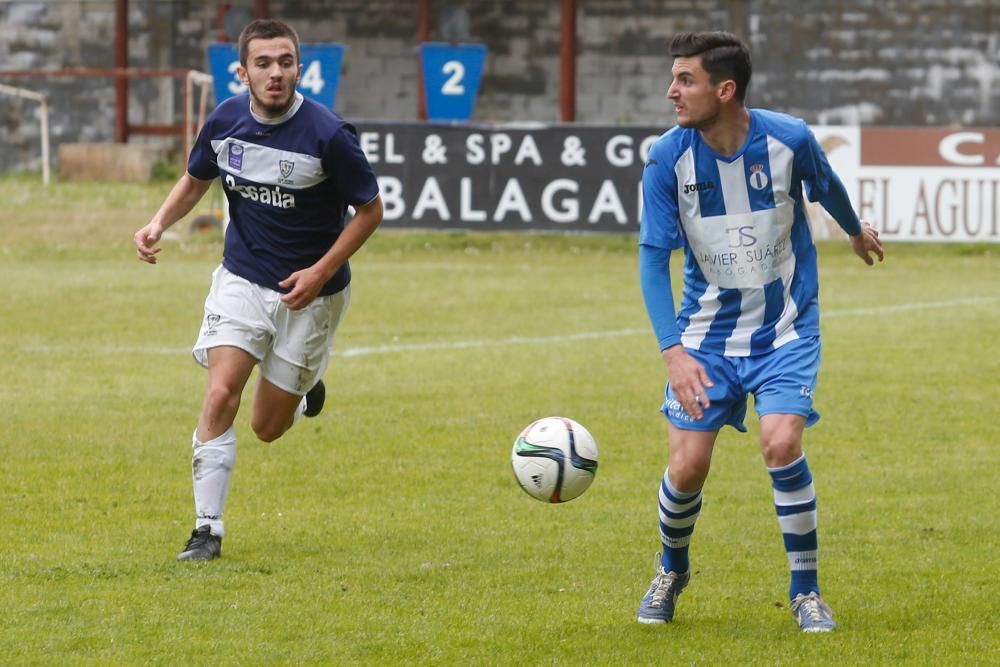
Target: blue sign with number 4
<point>320,71</point>
<point>451,78</point>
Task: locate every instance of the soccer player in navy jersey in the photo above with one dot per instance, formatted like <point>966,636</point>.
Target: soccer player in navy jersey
<point>290,168</point>
<point>727,186</point>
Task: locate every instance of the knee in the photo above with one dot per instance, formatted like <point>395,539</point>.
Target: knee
<point>221,399</point>
<point>688,473</point>
<point>267,430</point>
<point>780,451</point>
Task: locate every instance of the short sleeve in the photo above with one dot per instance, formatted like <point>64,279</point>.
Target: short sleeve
<point>348,166</point>
<point>659,226</point>
<point>203,162</point>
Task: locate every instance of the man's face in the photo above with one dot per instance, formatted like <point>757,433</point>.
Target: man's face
<point>271,74</point>
<point>695,97</point>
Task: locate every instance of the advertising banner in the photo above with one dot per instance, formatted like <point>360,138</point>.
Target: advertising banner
<point>495,177</point>
<point>917,184</point>
<point>927,184</point>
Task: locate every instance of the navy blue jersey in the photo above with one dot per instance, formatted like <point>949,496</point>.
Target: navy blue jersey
<point>750,275</point>
<point>289,181</point>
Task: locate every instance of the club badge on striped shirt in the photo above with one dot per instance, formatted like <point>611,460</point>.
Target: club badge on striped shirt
<point>758,179</point>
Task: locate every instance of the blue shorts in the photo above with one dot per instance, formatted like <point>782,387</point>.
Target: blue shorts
<point>782,381</point>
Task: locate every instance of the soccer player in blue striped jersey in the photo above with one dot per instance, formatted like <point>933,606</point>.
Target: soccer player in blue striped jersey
<point>728,186</point>
<point>289,169</point>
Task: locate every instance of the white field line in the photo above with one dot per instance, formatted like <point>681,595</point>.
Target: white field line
<point>902,307</point>
<point>512,340</point>
<point>494,342</point>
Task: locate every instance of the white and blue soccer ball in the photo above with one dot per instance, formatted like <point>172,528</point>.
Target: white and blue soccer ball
<point>554,459</point>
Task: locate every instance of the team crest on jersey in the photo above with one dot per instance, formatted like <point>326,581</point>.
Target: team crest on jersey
<point>758,179</point>
<point>286,167</point>
<point>236,157</point>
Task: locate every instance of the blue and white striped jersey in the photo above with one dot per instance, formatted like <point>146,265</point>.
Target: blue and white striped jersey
<point>750,276</point>
<point>288,180</point>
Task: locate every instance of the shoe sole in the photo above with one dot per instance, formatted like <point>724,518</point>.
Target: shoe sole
<point>652,621</point>
<point>188,559</point>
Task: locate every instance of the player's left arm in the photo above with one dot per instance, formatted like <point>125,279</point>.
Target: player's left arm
<point>305,285</point>
<point>348,167</point>
<point>831,194</point>
<point>864,238</point>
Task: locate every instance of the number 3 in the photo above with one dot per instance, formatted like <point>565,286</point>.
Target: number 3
<point>235,86</point>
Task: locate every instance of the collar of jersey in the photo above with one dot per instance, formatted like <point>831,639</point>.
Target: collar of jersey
<point>743,148</point>
<point>283,117</point>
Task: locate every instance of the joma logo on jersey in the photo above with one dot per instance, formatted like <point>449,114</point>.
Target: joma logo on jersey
<point>263,194</point>
<point>698,187</point>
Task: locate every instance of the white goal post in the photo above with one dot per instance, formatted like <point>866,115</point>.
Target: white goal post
<point>191,125</point>
<point>44,117</point>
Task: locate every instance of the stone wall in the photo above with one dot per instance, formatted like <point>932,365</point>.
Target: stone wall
<point>885,62</point>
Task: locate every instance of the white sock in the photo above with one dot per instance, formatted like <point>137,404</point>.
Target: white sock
<point>211,466</point>
<point>299,411</point>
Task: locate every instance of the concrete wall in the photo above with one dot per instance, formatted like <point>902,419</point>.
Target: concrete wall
<point>886,62</point>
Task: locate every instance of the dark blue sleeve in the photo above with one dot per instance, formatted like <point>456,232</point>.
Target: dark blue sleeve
<point>348,166</point>
<point>654,276</point>
<point>203,162</point>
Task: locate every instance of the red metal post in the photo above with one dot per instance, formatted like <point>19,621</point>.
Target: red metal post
<point>261,9</point>
<point>220,21</point>
<point>121,62</point>
<point>567,62</point>
<point>423,34</point>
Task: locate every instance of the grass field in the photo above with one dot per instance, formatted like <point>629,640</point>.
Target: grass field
<point>390,530</point>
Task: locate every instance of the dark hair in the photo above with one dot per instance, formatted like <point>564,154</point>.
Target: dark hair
<point>723,56</point>
<point>266,29</point>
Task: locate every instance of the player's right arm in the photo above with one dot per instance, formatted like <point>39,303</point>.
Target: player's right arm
<point>659,235</point>
<point>182,198</point>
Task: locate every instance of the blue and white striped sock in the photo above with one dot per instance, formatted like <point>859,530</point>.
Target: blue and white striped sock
<point>795,503</point>
<point>678,512</point>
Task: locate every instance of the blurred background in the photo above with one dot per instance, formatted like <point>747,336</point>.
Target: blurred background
<point>121,72</point>
<point>878,62</point>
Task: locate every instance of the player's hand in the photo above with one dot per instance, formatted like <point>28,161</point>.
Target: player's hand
<point>867,242</point>
<point>688,379</point>
<point>145,242</point>
<point>303,286</point>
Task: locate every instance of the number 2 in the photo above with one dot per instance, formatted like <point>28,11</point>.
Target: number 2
<point>453,86</point>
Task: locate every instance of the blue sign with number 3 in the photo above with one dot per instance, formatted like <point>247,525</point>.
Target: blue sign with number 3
<point>451,78</point>
<point>320,71</point>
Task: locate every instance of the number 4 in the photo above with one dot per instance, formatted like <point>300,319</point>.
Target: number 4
<point>312,78</point>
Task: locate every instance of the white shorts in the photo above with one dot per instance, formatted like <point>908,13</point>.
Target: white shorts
<point>292,347</point>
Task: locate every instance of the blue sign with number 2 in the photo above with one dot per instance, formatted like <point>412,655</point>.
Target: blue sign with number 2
<point>451,78</point>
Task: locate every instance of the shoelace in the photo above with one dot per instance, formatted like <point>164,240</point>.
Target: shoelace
<point>811,606</point>
<point>197,539</point>
<point>661,586</point>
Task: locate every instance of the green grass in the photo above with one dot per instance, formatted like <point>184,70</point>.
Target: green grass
<point>390,529</point>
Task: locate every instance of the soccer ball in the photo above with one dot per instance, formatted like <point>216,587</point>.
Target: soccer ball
<point>554,459</point>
